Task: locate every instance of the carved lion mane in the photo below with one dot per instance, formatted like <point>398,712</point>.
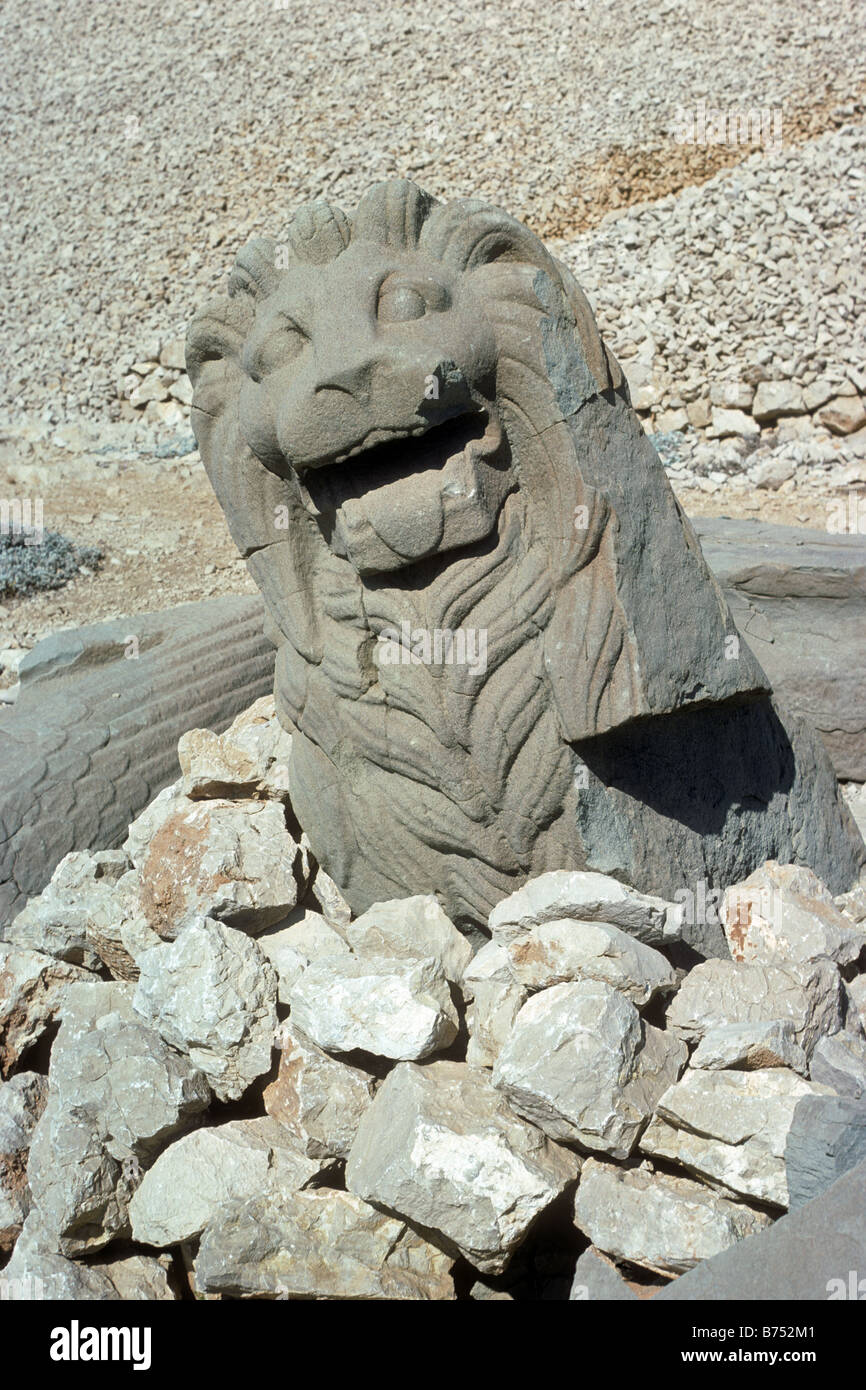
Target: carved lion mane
<point>414,427</point>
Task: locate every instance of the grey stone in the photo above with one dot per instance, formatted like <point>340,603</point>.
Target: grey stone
<point>117,1095</point>
<point>720,992</point>
<point>22,1101</point>
<point>587,705</point>
<point>80,914</point>
<point>596,1278</point>
<point>783,913</point>
<point>440,1147</point>
<point>583,897</point>
<point>840,1062</point>
<point>806,1255</point>
<point>662,1223</point>
<point>251,758</point>
<point>93,735</point>
<point>32,988</point>
<point>581,1065</point>
<point>750,1047</point>
<point>200,1173</point>
<point>411,928</point>
<point>773,399</point>
<point>390,1007</point>
<point>490,1018</point>
<point>842,415</point>
<point>36,1272</point>
<point>318,1245</point>
<point>212,995</point>
<point>291,945</point>
<point>560,951</point>
<point>319,1100</point>
<point>731,1128</point>
<point>826,1138</point>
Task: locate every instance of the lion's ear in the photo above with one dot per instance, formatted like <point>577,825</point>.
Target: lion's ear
<point>469,233</point>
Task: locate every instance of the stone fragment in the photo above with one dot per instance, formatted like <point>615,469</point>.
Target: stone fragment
<point>234,861</point>
<point>782,913</point>
<point>117,1095</point>
<point>411,928</point>
<point>669,421</point>
<point>581,1065</point>
<point>773,399</point>
<point>291,945</point>
<point>250,759</point>
<point>320,1101</point>
<point>719,992</point>
<point>390,1007</point>
<point>22,1101</point>
<point>556,952</point>
<point>199,1173</point>
<point>731,1127</point>
<point>699,413</point>
<point>750,1047</point>
<point>727,423</point>
<point>840,1062</point>
<point>817,393</point>
<point>37,1273</point>
<point>139,1278</point>
<point>596,1278</point>
<point>173,354</point>
<point>586,897</point>
<point>79,916</point>
<point>32,986</point>
<point>335,909</point>
<point>318,1245</point>
<point>490,1018</point>
<point>212,995</point>
<point>440,1147</point>
<point>842,415</point>
<point>492,963</point>
<point>661,1223</point>
<point>826,1138</point>
<point>732,395</point>
<point>855,991</point>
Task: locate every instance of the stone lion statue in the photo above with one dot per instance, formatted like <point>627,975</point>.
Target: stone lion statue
<point>500,649</point>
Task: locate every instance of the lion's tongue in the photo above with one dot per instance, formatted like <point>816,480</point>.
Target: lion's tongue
<point>406,514</point>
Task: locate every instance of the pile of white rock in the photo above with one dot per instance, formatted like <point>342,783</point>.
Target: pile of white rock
<point>250,1094</point>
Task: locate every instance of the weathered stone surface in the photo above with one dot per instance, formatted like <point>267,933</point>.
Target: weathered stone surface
<point>718,992</point>
<point>32,987</point>
<point>842,415</point>
<point>139,1278</point>
<point>201,1172</point>
<point>827,1137</point>
<point>490,963</point>
<point>411,928</point>
<point>659,1222</point>
<point>731,1127</point>
<point>583,897</point>
<point>840,1062</point>
<point>560,951</point>
<point>234,861</point>
<point>490,1018</point>
<point>595,1278</point>
<point>774,399</point>
<point>855,991</point>
<point>117,1095</point>
<point>590,714</point>
<point>581,1065</point>
<point>333,905</point>
<point>782,913</point>
<point>310,1245</point>
<point>319,1100</point>
<point>212,995</point>
<point>93,735</point>
<point>250,759</point>
<point>750,1047</point>
<point>22,1101</point>
<point>36,1273</point>
<point>290,946</point>
<point>390,1007</point>
<point>440,1147</point>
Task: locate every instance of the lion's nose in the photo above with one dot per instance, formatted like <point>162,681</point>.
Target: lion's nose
<point>352,381</point>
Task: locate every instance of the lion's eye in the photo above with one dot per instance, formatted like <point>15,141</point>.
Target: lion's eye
<point>401,300</point>
<point>266,352</point>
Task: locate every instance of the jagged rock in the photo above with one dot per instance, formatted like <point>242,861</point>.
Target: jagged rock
<point>250,759</point>
<point>560,951</point>
<point>585,897</point>
<point>490,1018</point>
<point>842,415</point>
<point>317,1245</point>
<point>784,913</point>
<point>198,1174</point>
<point>290,947</point>
<point>662,1223</point>
<point>773,399</point>
<point>32,987</point>
<point>212,995</point>
<point>491,963</point>
<point>411,928</point>
<point>731,1127</point>
<point>440,1147</point>
<point>595,1278</point>
<point>36,1273</point>
<point>140,1278</point>
<point>234,861</point>
<point>335,909</point>
<point>580,1063</point>
<point>750,1047</point>
<point>856,1000</point>
<point>117,1095</point>
<point>392,1008</point>
<point>840,1062</point>
<point>320,1101</point>
<point>827,1137</point>
<point>22,1101</point>
<point>719,992</point>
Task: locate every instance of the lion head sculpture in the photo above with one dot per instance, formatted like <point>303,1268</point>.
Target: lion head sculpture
<point>424,450</point>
